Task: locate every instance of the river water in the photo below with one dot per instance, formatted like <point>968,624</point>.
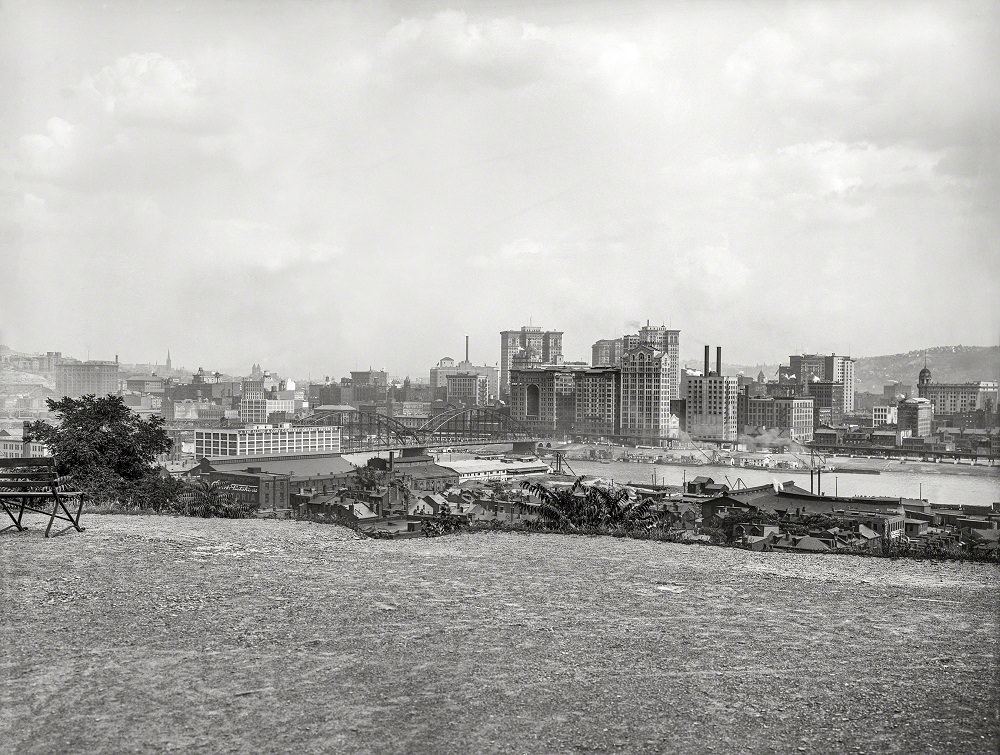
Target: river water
<point>936,483</point>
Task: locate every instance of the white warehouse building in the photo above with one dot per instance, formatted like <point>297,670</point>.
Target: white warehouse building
<point>267,440</point>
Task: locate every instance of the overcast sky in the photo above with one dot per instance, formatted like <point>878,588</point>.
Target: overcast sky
<point>324,186</point>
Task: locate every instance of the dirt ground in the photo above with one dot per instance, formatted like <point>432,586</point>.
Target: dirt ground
<point>157,634</point>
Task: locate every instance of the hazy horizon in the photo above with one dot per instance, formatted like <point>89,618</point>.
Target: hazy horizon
<point>326,186</point>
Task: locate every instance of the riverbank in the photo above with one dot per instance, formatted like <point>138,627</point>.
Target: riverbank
<point>154,633</point>
<point>694,458</point>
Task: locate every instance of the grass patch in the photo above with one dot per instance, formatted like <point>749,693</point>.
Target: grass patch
<point>152,633</point>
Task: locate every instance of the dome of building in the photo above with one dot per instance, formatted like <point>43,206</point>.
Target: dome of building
<point>925,376</point>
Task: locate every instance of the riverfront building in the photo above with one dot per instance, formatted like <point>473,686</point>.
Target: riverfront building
<point>712,404</point>
<point>597,404</point>
<point>957,398</point>
<point>829,400</point>
<point>266,440</point>
<point>538,346</point>
<point>649,382</point>
<point>915,415</point>
<point>791,414</point>
<point>884,415</point>
<point>543,398</point>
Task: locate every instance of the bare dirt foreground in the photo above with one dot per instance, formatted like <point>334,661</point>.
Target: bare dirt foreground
<point>158,634</point>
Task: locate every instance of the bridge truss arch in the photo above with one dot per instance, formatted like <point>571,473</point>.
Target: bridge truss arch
<point>369,431</point>
<point>477,424</point>
<point>362,430</point>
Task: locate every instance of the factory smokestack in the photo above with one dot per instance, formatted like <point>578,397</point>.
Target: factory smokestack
<point>707,356</point>
<point>718,360</point>
<point>466,348</point>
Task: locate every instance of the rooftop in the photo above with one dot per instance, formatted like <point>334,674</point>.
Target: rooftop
<point>313,465</point>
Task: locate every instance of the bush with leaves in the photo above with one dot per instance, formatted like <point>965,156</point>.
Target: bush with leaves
<point>213,498</point>
<point>444,522</point>
<point>581,507</point>
<point>722,528</point>
<point>109,449</point>
<point>370,478</point>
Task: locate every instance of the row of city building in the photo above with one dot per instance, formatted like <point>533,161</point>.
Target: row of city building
<point>635,390</point>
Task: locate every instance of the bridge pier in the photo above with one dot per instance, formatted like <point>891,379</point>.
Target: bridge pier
<point>524,446</point>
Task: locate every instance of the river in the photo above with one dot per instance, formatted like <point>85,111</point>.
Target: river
<point>937,484</point>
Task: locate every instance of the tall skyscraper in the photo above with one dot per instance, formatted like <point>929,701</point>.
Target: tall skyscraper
<point>538,347</point>
<point>597,403</point>
<point>610,351</point>
<point>648,387</point>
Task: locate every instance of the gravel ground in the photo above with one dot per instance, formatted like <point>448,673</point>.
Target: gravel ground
<point>158,634</point>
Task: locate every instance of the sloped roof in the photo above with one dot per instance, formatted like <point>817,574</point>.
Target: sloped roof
<point>867,532</point>
<point>300,466</point>
<point>429,471</point>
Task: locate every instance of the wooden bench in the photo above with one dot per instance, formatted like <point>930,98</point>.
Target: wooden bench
<point>29,485</point>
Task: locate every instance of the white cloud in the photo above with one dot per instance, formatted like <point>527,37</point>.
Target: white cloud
<point>149,89</point>
<point>451,49</point>
<point>50,154</point>
<point>829,180</point>
<point>330,159</point>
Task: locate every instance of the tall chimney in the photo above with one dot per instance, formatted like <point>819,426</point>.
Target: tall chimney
<point>718,360</point>
<point>466,348</point>
<point>707,356</point>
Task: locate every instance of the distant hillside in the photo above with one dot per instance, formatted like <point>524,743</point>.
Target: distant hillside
<point>10,376</point>
<point>948,364</point>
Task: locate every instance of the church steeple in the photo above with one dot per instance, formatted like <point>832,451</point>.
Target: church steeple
<point>168,359</point>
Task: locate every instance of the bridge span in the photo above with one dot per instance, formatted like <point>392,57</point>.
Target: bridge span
<point>474,426</point>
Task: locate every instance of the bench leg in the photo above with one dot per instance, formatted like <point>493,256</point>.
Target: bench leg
<point>79,510</point>
<point>16,520</point>
<point>52,516</point>
<point>73,520</point>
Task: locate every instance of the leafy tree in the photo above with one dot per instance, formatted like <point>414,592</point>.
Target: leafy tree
<point>108,448</point>
<point>370,478</point>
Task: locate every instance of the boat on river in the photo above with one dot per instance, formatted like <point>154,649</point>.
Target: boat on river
<point>681,461</point>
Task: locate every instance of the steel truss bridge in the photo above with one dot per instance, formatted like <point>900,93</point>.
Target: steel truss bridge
<point>369,431</point>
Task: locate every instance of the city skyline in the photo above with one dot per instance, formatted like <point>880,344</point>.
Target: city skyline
<point>421,374</point>
<point>322,187</point>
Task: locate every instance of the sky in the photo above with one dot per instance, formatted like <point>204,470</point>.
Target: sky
<point>326,186</point>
